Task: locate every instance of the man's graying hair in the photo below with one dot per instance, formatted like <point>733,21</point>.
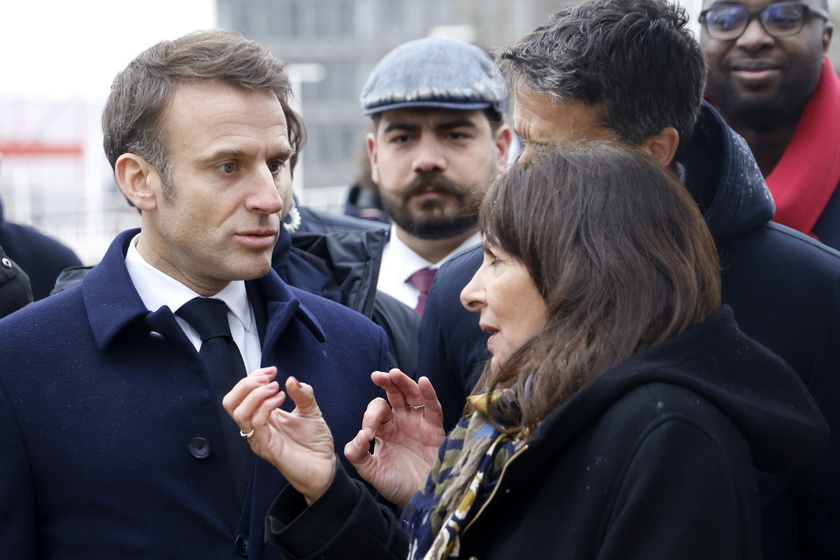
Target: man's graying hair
<point>132,119</point>
<point>632,60</point>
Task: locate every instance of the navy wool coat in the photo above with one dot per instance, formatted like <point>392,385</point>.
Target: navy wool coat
<point>111,442</point>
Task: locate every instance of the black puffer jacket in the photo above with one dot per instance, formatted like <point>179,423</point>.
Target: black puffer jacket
<point>342,264</point>
<point>15,291</point>
<point>40,256</point>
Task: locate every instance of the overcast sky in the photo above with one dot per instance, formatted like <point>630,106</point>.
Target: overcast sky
<point>60,48</point>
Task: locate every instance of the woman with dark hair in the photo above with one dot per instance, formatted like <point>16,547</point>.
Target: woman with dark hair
<point>622,414</point>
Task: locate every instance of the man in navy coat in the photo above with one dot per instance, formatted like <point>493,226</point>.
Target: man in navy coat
<point>113,443</point>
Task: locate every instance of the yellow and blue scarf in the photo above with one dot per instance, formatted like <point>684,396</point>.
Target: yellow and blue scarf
<point>463,477</point>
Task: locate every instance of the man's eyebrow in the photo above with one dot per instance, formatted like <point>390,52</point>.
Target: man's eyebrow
<point>284,153</point>
<point>526,137</point>
<point>446,125</point>
<point>228,154</point>
<point>219,155</point>
<point>459,123</point>
<point>405,127</point>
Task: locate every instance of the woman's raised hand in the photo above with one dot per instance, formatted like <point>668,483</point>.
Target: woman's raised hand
<point>407,436</point>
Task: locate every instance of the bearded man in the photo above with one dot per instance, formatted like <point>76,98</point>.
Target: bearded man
<point>437,106</point>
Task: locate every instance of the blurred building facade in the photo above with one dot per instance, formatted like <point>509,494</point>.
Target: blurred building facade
<point>334,45</point>
<point>54,174</point>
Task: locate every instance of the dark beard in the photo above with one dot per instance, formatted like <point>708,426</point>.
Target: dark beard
<point>440,228</point>
<point>431,224</point>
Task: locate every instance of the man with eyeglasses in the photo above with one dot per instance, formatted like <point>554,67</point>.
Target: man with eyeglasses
<point>771,80</point>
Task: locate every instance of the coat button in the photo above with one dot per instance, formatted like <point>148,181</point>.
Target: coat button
<point>6,262</point>
<point>199,448</point>
<point>242,545</point>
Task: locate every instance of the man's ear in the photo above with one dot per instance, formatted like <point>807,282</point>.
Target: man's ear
<point>503,139</point>
<point>662,147</point>
<point>374,164</point>
<point>828,30</point>
<point>139,181</point>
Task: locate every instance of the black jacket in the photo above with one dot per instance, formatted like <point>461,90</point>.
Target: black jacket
<point>338,257</point>
<point>784,289</point>
<point>14,286</point>
<point>41,257</point>
<point>653,459</point>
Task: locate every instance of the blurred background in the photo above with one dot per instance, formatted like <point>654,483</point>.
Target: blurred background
<point>58,59</point>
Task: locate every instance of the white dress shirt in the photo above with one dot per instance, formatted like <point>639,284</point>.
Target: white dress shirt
<point>157,289</point>
<point>399,262</point>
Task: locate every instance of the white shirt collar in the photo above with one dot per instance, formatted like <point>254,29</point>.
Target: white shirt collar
<point>404,259</point>
<point>157,288</point>
<point>399,262</point>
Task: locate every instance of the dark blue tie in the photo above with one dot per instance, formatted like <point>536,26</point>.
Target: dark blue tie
<point>221,357</point>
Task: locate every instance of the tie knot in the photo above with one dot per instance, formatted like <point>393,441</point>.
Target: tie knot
<point>422,279</point>
<point>208,316</point>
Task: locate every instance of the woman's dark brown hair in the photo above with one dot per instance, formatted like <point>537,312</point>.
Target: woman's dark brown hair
<point>618,250</point>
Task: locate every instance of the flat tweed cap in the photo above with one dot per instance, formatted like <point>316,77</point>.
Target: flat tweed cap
<point>434,72</point>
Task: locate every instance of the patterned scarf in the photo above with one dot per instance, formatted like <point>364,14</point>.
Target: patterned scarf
<point>463,477</point>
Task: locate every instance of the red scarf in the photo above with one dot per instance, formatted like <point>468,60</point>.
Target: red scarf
<point>809,171</point>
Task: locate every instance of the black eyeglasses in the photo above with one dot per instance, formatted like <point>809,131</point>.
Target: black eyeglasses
<point>727,22</point>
